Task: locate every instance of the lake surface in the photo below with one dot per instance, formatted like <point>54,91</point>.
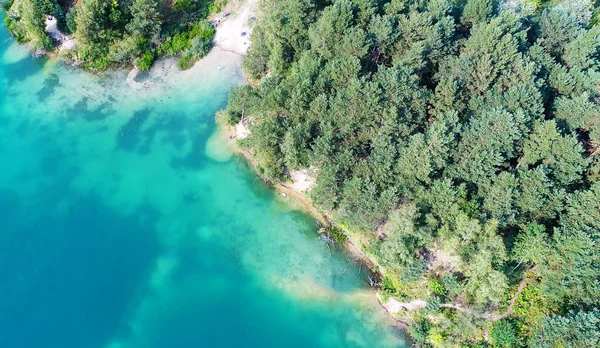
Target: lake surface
<point>124,223</point>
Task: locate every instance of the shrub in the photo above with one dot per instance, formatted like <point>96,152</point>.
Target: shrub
<point>71,25</point>
<point>503,333</point>
<point>200,47</point>
<point>387,284</point>
<point>437,287</point>
<point>420,331</point>
<point>98,64</point>
<point>6,4</point>
<point>175,44</point>
<point>186,61</point>
<point>203,30</point>
<point>338,235</point>
<point>185,5</point>
<point>146,61</point>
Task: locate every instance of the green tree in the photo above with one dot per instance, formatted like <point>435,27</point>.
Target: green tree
<point>146,19</point>
<point>575,329</point>
<point>503,333</point>
<point>563,156</point>
<point>476,11</point>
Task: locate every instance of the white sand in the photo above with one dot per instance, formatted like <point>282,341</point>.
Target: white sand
<point>165,71</point>
<point>233,31</point>
<point>394,306</point>
<point>241,130</point>
<point>63,41</point>
<point>302,180</point>
<point>229,44</point>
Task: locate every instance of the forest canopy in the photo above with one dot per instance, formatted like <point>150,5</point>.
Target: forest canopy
<point>458,139</point>
<point>118,32</point>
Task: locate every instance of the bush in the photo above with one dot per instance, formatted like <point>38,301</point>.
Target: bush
<point>420,331</point>
<point>194,44</point>
<point>199,48</point>
<point>175,44</point>
<point>71,25</point>
<point>185,5</point>
<point>437,287</point>
<point>337,234</point>
<point>203,30</point>
<point>186,61</point>
<point>503,333</point>
<point>387,284</point>
<point>6,4</point>
<point>98,64</point>
<point>145,62</point>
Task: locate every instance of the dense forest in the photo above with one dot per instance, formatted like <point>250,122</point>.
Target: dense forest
<point>458,141</point>
<point>118,32</point>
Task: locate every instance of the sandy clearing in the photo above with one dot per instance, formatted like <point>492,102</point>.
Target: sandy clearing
<point>64,42</point>
<point>234,30</point>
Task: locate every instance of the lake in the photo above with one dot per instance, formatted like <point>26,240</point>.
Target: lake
<point>126,223</point>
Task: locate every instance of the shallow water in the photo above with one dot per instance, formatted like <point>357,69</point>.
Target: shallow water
<point>123,224</point>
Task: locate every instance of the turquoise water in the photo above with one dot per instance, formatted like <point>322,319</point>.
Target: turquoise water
<point>124,223</point>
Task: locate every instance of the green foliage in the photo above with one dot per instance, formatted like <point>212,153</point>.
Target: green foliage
<point>530,308</point>
<point>419,331</point>
<point>6,4</point>
<point>389,285</point>
<point>146,20</point>
<point>186,61</point>
<point>337,234</point>
<point>193,44</point>
<point>576,329</point>
<point>476,11</point>
<point>187,5</point>
<point>465,132</point>
<point>437,287</point>
<point>118,32</point>
<point>174,44</point>
<point>25,20</point>
<point>146,61</point>
<point>71,23</point>
<point>503,333</point>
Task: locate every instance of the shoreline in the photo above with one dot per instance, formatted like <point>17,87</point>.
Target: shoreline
<point>229,46</point>
<point>233,30</point>
<point>303,203</point>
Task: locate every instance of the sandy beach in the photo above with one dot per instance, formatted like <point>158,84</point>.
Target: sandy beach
<point>234,25</point>
<point>232,40</point>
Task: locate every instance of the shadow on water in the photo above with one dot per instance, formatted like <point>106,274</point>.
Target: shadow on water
<point>175,126</point>
<point>100,113</point>
<point>129,135</point>
<point>196,158</point>
<point>50,84</point>
<point>70,275</point>
<point>83,109</point>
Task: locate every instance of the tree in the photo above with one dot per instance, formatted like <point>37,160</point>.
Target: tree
<point>466,132</point>
<point>146,19</point>
<point>576,329</point>
<point>94,32</point>
<point>34,26</point>
<point>561,155</point>
<point>486,145</point>
<point>476,11</point>
<point>503,333</point>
